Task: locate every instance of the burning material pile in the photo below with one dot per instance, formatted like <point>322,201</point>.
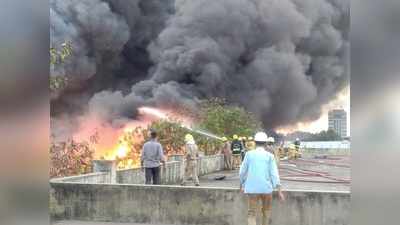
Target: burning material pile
<point>124,143</point>
<point>127,150</point>
<point>70,158</point>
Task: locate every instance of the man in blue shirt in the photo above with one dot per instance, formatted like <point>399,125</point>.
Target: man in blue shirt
<point>258,178</point>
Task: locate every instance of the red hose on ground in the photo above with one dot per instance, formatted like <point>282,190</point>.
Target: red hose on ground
<point>306,173</point>
<point>323,163</point>
<point>315,181</point>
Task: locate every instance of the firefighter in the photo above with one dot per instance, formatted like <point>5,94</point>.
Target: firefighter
<point>273,150</point>
<point>282,151</point>
<point>226,151</point>
<point>250,144</point>
<point>236,148</point>
<point>191,156</point>
<point>243,152</point>
<point>292,152</point>
<point>297,144</point>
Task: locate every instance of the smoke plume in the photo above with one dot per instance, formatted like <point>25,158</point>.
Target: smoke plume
<point>280,59</point>
<point>96,33</point>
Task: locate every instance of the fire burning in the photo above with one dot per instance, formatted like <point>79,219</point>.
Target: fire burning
<point>123,142</point>
<point>127,150</point>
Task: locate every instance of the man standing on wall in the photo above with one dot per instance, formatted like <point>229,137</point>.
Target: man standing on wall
<point>258,178</point>
<point>151,159</point>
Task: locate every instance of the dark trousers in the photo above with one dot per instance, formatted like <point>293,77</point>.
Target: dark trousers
<point>152,174</point>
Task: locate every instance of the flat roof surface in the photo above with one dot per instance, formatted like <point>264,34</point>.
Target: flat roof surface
<point>317,174</point>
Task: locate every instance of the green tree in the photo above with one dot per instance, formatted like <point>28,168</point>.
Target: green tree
<point>226,120</point>
<point>58,57</point>
<point>171,135</point>
<point>325,135</point>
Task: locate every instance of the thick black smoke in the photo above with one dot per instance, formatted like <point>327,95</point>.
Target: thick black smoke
<point>96,33</point>
<point>109,40</point>
<point>281,59</point>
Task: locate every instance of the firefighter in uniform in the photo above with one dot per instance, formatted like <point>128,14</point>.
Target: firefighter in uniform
<point>226,151</point>
<point>236,148</point>
<point>297,147</point>
<point>273,149</point>
<point>191,156</point>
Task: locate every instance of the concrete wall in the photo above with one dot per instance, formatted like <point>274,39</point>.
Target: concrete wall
<point>93,178</point>
<point>188,205</point>
<point>130,176</point>
<point>171,173</point>
<point>175,157</point>
<point>210,164</point>
<point>309,153</point>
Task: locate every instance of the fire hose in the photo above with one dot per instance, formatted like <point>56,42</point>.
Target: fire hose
<point>315,181</point>
<point>323,163</point>
<point>311,173</point>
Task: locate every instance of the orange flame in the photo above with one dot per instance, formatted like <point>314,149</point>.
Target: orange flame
<point>122,143</point>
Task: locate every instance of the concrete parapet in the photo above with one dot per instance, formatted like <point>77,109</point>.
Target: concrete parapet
<point>210,164</point>
<point>109,166</point>
<point>175,158</point>
<point>93,178</point>
<point>189,205</point>
<point>172,173</point>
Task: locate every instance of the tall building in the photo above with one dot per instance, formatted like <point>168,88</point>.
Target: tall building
<point>338,121</point>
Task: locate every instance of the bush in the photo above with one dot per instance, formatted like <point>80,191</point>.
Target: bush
<point>70,158</point>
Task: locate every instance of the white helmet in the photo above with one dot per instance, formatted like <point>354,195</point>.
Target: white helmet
<point>261,137</point>
<point>271,139</point>
<point>297,139</point>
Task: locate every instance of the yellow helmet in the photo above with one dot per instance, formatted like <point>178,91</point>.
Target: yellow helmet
<point>244,138</point>
<point>240,138</point>
<point>188,137</point>
<point>250,138</point>
<point>251,145</point>
<point>235,137</point>
<point>224,139</point>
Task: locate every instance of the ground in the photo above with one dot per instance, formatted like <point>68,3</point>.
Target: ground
<point>329,174</point>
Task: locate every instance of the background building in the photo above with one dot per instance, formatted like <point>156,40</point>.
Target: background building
<point>338,121</point>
